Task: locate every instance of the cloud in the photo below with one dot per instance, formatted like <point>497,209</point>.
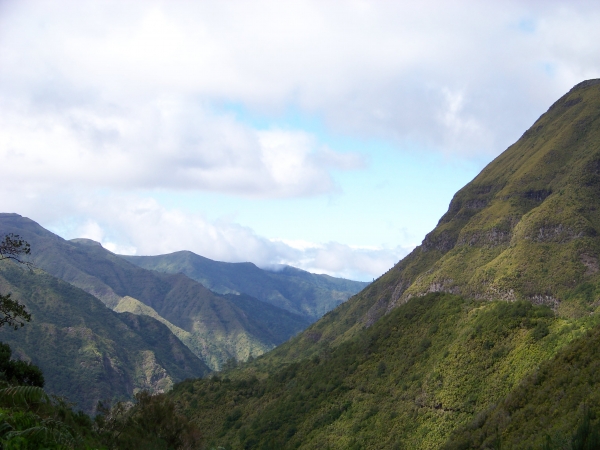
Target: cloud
<point>101,101</point>
<point>138,225</point>
<point>168,143</point>
<point>360,263</point>
<point>383,69</point>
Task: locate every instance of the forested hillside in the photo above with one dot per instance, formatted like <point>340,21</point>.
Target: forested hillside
<point>409,381</point>
<point>295,290</point>
<point>526,228</point>
<point>213,327</point>
<point>86,351</point>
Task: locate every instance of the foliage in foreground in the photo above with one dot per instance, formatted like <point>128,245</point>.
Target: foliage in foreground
<point>153,422</point>
<point>30,419</point>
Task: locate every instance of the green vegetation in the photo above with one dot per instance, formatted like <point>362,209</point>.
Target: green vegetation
<point>151,422</point>
<point>487,336</point>
<point>13,313</point>
<point>557,403</point>
<point>18,372</point>
<point>31,419</point>
<point>213,327</point>
<point>526,228</point>
<point>408,381</point>
<point>295,290</point>
<point>483,337</point>
<point>86,351</point>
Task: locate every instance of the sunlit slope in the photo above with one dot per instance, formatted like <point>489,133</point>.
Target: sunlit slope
<point>423,356</point>
<point>545,410</point>
<point>525,228</point>
<point>218,328</point>
<point>86,351</point>
<point>428,368</point>
<point>295,290</point>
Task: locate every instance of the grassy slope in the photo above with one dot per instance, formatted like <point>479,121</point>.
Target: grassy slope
<point>86,351</point>
<point>406,382</point>
<point>527,226</point>
<point>292,289</point>
<point>218,329</point>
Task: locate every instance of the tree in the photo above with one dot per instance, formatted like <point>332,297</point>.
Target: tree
<point>14,314</point>
<point>19,372</point>
<point>14,247</point>
<point>153,421</point>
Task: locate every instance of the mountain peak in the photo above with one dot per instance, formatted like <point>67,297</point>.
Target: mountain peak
<point>586,83</point>
<point>85,241</point>
<point>527,226</point>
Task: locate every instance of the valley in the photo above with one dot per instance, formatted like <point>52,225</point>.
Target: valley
<point>486,336</point>
<point>95,302</point>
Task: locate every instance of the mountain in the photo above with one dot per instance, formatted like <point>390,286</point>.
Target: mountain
<point>525,228</point>
<point>214,327</point>
<point>430,368</point>
<point>295,290</point>
<point>485,335</point>
<point>86,351</point>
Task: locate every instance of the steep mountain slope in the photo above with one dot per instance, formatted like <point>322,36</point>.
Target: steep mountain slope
<point>289,288</point>
<point>216,329</point>
<point>421,372</point>
<point>86,351</point>
<point>547,407</point>
<point>478,338</point>
<point>525,228</point>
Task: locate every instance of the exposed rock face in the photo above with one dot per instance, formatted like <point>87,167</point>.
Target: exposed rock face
<point>376,311</point>
<point>591,264</point>
<point>442,242</point>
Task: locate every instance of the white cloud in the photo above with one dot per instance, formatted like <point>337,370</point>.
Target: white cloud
<point>100,100</point>
<point>382,68</point>
<point>341,260</point>
<point>136,225</point>
<point>168,143</point>
<point>120,77</point>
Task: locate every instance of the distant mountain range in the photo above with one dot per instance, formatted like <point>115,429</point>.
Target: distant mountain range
<point>292,289</point>
<point>156,307</point>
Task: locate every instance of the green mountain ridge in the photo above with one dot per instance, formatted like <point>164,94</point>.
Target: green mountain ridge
<point>216,328</point>
<point>86,351</point>
<point>286,287</point>
<point>485,336</point>
<point>525,228</point>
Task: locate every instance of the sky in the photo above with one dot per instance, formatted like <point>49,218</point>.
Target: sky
<point>327,135</point>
